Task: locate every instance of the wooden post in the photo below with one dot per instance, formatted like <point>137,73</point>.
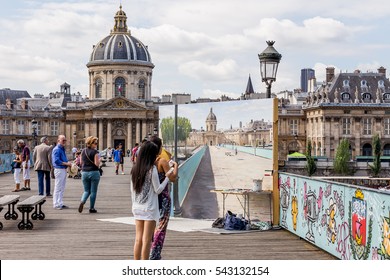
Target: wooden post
<point>275,163</point>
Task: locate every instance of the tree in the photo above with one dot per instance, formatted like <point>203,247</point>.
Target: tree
<point>376,165</point>
<point>168,129</point>
<point>311,166</point>
<point>340,164</point>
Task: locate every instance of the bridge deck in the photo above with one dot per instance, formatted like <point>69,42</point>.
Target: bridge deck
<point>66,234</point>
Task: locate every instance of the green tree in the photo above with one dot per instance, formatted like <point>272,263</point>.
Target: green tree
<point>376,165</point>
<point>168,129</point>
<point>311,166</point>
<point>340,164</point>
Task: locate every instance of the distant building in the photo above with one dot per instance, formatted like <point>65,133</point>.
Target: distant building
<point>307,77</point>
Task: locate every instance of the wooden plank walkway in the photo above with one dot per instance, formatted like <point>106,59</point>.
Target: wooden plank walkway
<point>67,235</point>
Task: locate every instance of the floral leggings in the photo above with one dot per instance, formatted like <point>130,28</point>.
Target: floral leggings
<point>159,233</point>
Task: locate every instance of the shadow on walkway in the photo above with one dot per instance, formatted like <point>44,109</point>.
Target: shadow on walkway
<point>200,203</point>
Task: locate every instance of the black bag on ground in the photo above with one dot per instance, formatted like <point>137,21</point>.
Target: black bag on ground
<point>218,223</point>
<point>232,222</point>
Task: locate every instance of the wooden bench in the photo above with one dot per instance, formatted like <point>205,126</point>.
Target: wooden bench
<point>27,206</point>
<point>10,201</point>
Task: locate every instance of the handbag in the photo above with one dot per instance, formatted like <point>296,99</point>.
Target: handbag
<point>99,168</point>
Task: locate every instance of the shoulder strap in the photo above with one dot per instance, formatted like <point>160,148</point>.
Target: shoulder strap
<point>85,150</point>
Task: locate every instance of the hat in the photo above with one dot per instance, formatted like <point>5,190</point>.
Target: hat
<point>72,171</point>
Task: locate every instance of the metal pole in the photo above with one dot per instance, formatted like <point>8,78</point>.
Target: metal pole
<point>275,162</point>
<point>176,202</point>
<point>268,89</point>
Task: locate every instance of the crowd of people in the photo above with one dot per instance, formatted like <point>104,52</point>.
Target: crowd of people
<point>152,170</point>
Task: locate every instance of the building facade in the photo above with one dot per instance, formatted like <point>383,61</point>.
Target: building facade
<point>118,109</point>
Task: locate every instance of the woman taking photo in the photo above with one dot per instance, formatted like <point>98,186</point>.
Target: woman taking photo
<point>90,174</point>
<point>145,187</point>
<point>163,164</point>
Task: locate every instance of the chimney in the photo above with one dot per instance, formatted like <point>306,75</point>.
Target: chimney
<point>382,70</point>
<point>329,74</point>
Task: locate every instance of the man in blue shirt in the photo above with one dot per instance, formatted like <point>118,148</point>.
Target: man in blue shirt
<point>118,159</point>
<point>60,163</point>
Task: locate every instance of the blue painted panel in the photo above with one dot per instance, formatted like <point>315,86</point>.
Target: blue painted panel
<point>347,221</point>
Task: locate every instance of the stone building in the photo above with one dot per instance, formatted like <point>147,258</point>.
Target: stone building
<point>118,109</point>
<point>355,106</point>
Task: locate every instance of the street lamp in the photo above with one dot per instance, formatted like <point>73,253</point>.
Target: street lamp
<point>269,62</point>
<point>34,126</point>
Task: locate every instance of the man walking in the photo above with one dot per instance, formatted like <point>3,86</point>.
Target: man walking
<point>60,163</point>
<point>42,164</point>
<point>25,151</point>
<point>118,159</point>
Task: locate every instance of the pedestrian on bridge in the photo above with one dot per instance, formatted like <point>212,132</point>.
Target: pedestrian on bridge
<point>145,187</point>
<point>163,164</point>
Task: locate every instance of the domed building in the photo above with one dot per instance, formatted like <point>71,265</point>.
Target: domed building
<point>118,108</point>
<point>120,65</point>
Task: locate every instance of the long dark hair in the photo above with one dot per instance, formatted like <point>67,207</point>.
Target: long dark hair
<point>145,161</point>
<point>156,140</point>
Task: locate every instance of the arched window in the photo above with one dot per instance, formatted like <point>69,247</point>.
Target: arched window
<point>346,83</point>
<point>120,87</point>
<point>386,97</point>
<point>141,89</point>
<point>345,97</point>
<point>386,150</point>
<point>381,84</point>
<point>366,97</point>
<point>367,150</point>
<point>98,88</point>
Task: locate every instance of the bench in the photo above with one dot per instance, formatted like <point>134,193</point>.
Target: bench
<point>27,206</point>
<point>10,201</point>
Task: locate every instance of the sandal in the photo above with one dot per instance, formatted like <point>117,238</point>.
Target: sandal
<point>28,189</point>
<point>23,189</point>
<point>16,190</point>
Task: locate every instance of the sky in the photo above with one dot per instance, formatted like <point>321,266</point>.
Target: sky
<point>203,48</point>
<point>228,114</point>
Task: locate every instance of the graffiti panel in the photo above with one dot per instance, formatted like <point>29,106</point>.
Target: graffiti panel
<point>348,221</point>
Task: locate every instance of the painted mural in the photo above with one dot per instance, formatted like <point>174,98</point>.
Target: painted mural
<point>350,222</point>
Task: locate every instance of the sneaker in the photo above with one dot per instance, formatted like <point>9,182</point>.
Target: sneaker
<point>48,195</point>
<point>64,207</point>
<point>123,173</point>
<point>81,207</point>
<point>116,172</point>
<point>93,210</point>
<point>58,208</point>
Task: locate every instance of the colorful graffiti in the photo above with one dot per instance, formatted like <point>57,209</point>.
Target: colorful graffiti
<point>316,211</point>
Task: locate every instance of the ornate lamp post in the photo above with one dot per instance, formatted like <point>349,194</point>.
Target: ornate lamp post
<point>269,62</point>
<point>34,126</point>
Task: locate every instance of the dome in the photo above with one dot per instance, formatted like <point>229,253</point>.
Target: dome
<point>211,116</point>
<point>120,46</point>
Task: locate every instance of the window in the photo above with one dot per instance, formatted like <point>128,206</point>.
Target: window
<point>54,127</point>
<point>39,128</point>
<point>367,150</point>
<point>345,83</point>
<point>366,97</point>
<point>386,126</point>
<point>293,127</point>
<point>367,126</point>
<point>345,96</point>
<point>120,87</point>
<point>141,89</point>
<point>5,126</point>
<point>386,150</point>
<point>381,84</point>
<point>98,88</point>
<point>386,97</point>
<point>80,144</point>
<point>346,123</point>
<point>80,126</point>
<point>20,127</point>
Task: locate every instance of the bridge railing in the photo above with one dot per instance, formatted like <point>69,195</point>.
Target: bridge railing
<point>348,221</point>
<point>186,174</point>
<point>257,151</point>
